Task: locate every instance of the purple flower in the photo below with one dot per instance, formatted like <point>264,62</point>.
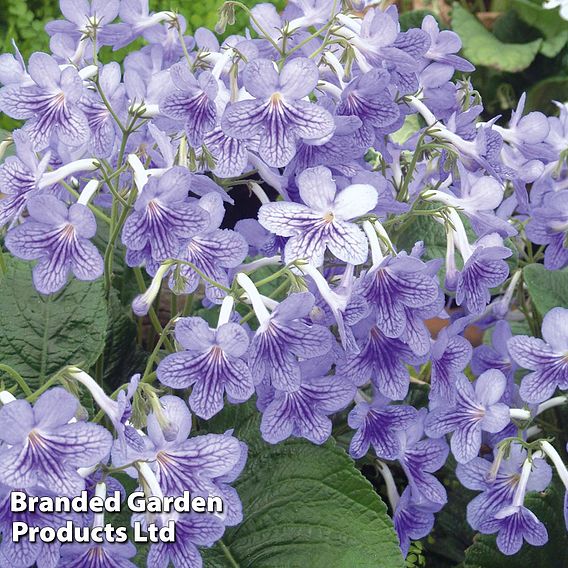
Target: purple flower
<point>93,555</point>
<point>513,525</point>
<point>192,530</point>
<point>546,358</point>
<point>193,102</point>
<point>305,411</point>
<point>548,225</point>
<point>498,482</point>
<point>163,217</point>
<point>277,113</point>
<point>211,364</point>
<point>212,250</point>
<point>83,17</point>
<point>420,458</point>
<point>483,270</point>
<point>476,409</point>
<point>324,222</point>
<point>382,360</point>
<point>368,98</point>
<point>450,355</point>
<point>412,521</point>
<point>104,129</point>
<point>51,105</point>
<point>443,47</point>
<point>203,465</point>
<point>376,424</point>
<point>27,553</point>
<point>496,355</point>
<point>45,451</point>
<point>283,338</point>
<point>19,178</point>
<point>58,238</point>
<point>400,288</point>
<point>229,154</point>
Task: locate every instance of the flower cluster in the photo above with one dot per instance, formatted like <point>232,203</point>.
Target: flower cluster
<point>347,132</point>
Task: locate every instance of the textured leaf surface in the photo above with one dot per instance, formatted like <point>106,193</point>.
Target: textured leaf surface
<point>304,505</point>
<point>41,334</point>
<point>548,288</point>
<point>548,508</point>
<point>481,47</point>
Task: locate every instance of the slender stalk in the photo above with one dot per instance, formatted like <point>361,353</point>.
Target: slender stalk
<point>18,378</point>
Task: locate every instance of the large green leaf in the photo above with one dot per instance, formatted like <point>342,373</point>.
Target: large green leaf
<point>304,505</point>
<point>548,508</point>
<point>481,47</point>
<point>41,334</point>
<point>548,288</point>
<point>548,22</point>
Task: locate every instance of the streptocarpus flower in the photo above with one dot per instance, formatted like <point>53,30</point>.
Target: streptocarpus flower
<point>548,225</point>
<point>192,530</point>
<point>483,269</point>
<point>211,363</point>
<point>50,105</point>
<point>412,521</point>
<point>284,336</point>
<point>496,355</point>
<point>368,98</point>
<point>278,113</point>
<point>212,250</point>
<point>45,451</point>
<point>513,525</point>
<point>163,216</point>
<point>477,408</point>
<point>381,360</point>
<point>377,423</point>
<point>19,177</point>
<point>193,101</point>
<point>420,457</point>
<point>27,553</point>
<point>498,481</point>
<point>305,411</point>
<point>324,222</point>
<point>397,287</point>
<point>95,555</point>
<point>449,356</point>
<point>58,238</point>
<point>546,357</point>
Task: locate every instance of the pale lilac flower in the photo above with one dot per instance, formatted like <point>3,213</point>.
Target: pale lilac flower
<point>377,423</point>
<point>193,102</point>
<point>305,411</point>
<point>97,555</point>
<point>278,113</point>
<point>51,105</point>
<point>212,250</point>
<point>211,363</point>
<point>58,238</point>
<point>19,177</point>
<point>45,450</point>
<point>546,357</point>
<point>420,457</point>
<point>285,337</point>
<point>192,530</point>
<point>324,222</point>
<point>477,408</point>
<point>498,480</point>
<point>163,217</point>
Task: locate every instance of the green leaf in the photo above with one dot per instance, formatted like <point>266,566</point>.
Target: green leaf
<point>481,47</point>
<point>122,356</point>
<point>541,94</point>
<point>548,508</point>
<point>304,505</point>
<point>547,288</point>
<point>41,334</point>
<point>548,22</point>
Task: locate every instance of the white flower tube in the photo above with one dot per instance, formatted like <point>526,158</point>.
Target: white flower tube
<point>51,178</point>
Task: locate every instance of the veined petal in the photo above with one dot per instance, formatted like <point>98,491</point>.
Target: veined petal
<point>285,218</point>
<point>347,242</point>
<point>355,200</point>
